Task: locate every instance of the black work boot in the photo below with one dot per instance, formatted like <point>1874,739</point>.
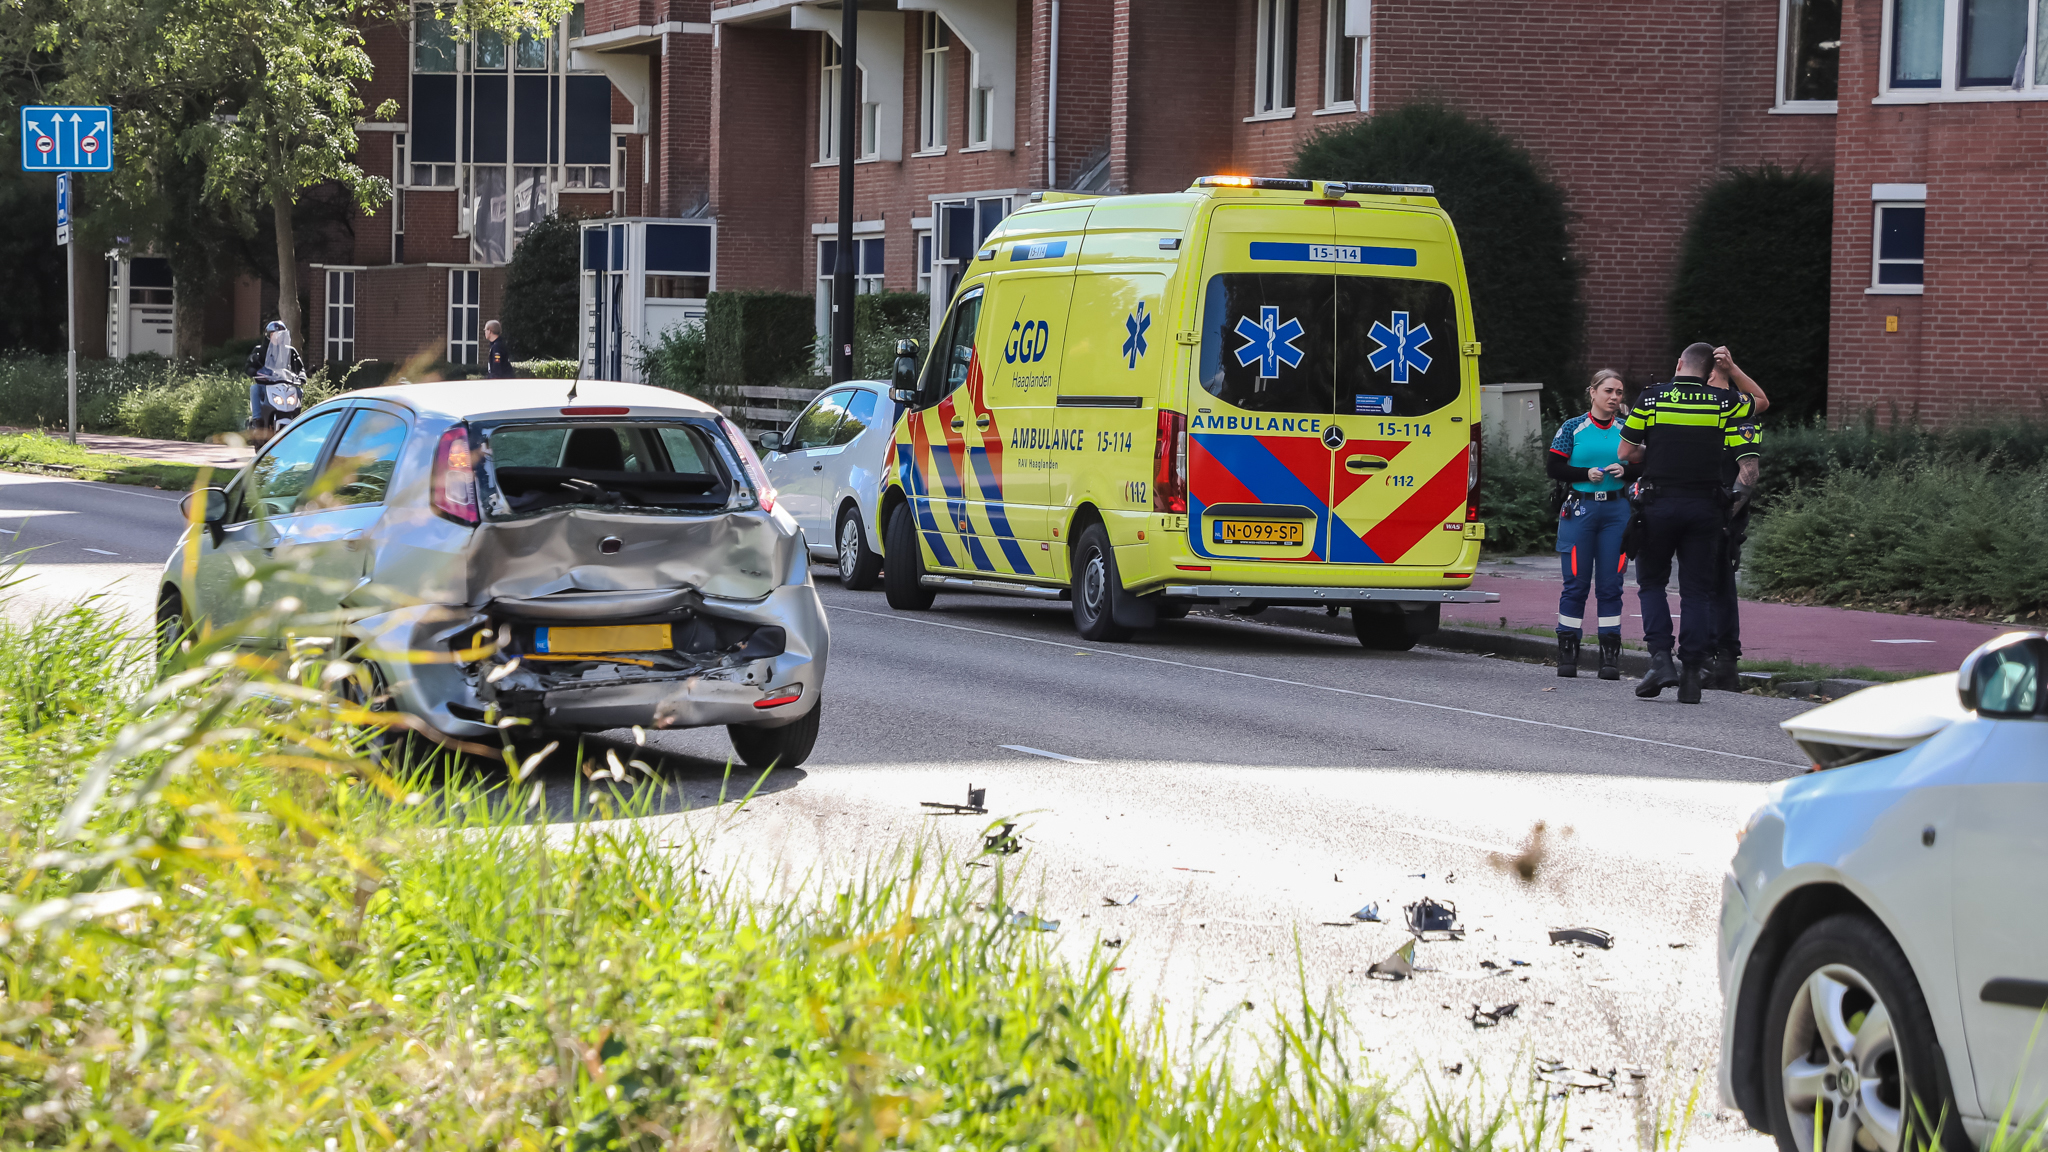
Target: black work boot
<point>1724,673</point>
<point>1689,679</point>
<point>1610,657</point>
<point>1567,655</point>
<point>1662,675</point>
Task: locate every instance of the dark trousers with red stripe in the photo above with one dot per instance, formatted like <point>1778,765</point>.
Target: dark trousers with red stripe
<point>1589,546</point>
<point>1689,529</point>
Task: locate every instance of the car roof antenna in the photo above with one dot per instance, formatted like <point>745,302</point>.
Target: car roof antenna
<point>572,389</point>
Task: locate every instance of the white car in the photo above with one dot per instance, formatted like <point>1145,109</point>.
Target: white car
<point>1884,923</point>
<point>828,470</point>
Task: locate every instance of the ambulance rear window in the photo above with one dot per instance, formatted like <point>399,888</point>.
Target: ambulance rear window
<point>1330,344</point>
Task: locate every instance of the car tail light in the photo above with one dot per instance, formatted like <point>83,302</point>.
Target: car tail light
<point>1170,463</point>
<point>454,478</point>
<point>764,493</point>
<point>1472,477</point>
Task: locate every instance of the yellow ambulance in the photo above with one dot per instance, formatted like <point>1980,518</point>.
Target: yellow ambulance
<point>1255,392</point>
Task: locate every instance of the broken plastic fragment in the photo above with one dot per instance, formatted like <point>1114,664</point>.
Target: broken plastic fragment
<point>1593,936</point>
<point>1427,915</point>
<point>1488,1015</point>
<point>1399,964</point>
<point>1370,914</point>
<point>973,807</point>
<point>1032,922</point>
<point>1001,842</point>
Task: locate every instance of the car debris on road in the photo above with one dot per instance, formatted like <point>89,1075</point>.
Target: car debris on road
<point>973,807</point>
<point>1427,915</point>
<point>1592,936</point>
<point>1399,964</point>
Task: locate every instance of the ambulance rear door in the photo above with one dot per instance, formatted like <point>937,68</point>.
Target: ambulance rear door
<point>1258,470</point>
<point>1401,471</point>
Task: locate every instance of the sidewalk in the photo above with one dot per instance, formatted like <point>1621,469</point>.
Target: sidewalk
<point>168,451</point>
<point>1529,587</point>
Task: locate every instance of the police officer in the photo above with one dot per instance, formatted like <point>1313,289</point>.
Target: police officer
<point>1743,440</point>
<point>498,354</point>
<point>1679,432</point>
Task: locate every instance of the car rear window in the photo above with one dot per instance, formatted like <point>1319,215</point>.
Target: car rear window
<point>629,467</point>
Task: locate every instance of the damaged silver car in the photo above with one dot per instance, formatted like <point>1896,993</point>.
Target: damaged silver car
<point>578,556</point>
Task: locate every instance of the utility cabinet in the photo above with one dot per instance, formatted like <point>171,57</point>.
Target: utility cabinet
<point>641,278</point>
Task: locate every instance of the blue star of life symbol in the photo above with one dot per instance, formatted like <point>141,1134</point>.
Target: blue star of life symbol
<point>1137,324</point>
<point>1400,347</point>
<point>1269,342</point>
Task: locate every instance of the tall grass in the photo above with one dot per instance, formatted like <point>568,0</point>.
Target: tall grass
<point>224,926</point>
<point>143,396</point>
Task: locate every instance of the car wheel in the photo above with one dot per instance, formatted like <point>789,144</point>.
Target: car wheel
<point>903,577</point>
<point>784,747</point>
<point>858,563</point>
<point>1848,1038</point>
<point>1095,578</point>
<point>171,625</point>
<point>1382,627</point>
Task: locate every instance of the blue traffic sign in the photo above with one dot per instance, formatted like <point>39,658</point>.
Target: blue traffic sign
<point>67,139</point>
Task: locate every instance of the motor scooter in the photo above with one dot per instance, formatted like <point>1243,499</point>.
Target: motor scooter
<point>283,394</point>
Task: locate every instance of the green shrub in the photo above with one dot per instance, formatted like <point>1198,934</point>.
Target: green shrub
<point>758,338</point>
<point>676,362</point>
<point>1950,535</point>
<point>879,321</point>
<point>542,288</point>
<point>1753,274</point>
<point>1808,454</point>
<point>196,408</point>
<point>32,388</point>
<point>546,369</point>
<point>1511,223</point>
<point>1514,499</point>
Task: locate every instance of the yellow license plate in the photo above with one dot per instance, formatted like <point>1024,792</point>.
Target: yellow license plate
<point>1276,532</point>
<point>595,641</point>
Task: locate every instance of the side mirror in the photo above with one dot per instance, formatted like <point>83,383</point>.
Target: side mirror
<point>215,510</point>
<point>771,441</point>
<point>903,381</point>
<point>2002,679</point>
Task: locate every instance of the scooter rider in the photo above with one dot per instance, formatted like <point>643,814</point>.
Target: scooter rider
<point>273,358</point>
<point>1586,457</point>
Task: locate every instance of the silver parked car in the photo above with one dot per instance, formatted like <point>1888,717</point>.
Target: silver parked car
<point>828,469</point>
<point>584,556</point>
<point>1884,922</point>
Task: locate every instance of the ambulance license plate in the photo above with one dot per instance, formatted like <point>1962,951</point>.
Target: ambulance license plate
<point>597,641</point>
<point>1280,533</point>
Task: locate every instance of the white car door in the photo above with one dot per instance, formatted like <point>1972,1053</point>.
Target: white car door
<point>853,460</point>
<point>801,465</point>
<point>328,540</point>
<point>2001,890</point>
<point>262,506</point>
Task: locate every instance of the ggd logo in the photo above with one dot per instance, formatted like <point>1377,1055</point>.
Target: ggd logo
<point>1029,340</point>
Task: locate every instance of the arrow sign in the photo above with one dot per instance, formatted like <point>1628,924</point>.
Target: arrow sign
<point>67,139</point>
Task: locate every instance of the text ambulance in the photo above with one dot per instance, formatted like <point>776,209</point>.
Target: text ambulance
<point>1258,391</point>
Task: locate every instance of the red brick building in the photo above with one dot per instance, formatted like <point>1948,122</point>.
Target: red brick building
<point>1927,111</point>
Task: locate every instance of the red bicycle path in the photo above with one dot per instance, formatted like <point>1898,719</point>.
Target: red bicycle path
<point>1844,638</point>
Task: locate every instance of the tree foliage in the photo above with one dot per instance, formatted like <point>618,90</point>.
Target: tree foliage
<point>542,290</point>
<point>1511,224</point>
<point>1753,275</point>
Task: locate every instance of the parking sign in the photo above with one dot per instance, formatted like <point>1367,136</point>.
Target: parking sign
<point>67,139</point>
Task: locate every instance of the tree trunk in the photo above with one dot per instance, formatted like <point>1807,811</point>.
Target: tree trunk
<point>188,314</point>
<point>287,258</point>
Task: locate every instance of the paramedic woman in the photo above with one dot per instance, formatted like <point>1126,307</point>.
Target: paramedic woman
<point>1586,457</point>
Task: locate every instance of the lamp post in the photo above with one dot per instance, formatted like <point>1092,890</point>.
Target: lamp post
<point>849,143</point>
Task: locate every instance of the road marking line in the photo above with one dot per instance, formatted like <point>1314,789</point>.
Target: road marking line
<point>1044,753</point>
<point>1902,641</point>
<point>1323,687</point>
<point>99,551</point>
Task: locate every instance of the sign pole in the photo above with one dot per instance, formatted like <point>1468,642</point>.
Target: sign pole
<point>65,238</point>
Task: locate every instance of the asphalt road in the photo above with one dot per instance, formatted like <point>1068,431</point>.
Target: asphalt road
<point>1250,787</point>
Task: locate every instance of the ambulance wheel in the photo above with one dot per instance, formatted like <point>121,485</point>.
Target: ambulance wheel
<point>1095,578</point>
<point>858,563</point>
<point>784,747</point>
<point>903,577</point>
<point>1382,627</point>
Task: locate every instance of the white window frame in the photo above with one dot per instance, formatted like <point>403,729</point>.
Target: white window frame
<point>933,74</point>
<point>1335,37</point>
<point>1950,90</point>
<point>465,316</point>
<point>925,254</point>
<point>981,118</point>
<point>1269,86</point>
<point>1883,196</point>
<point>339,314</point>
<point>1782,103</point>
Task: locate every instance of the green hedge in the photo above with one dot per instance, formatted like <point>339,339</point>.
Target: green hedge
<point>676,362</point>
<point>1753,274</point>
<point>546,369</point>
<point>879,321</point>
<point>757,338</point>
<point>1511,222</point>
<point>542,289</point>
<point>1514,499</point>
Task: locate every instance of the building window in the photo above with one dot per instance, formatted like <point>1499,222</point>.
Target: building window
<point>464,309</point>
<point>924,263</point>
<point>1810,39</point>
<point>981,111</point>
<point>341,317</point>
<point>1994,43</point>
<point>1273,83</point>
<point>433,39</point>
<point>867,274</point>
<point>1341,56</point>
<point>1900,260</point>
<point>398,173</point>
<point>1965,50</point>
<point>931,105</point>
<point>828,98</point>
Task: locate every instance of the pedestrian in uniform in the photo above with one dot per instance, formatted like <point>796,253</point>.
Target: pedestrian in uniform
<point>1679,432</point>
<point>1744,439</point>
<point>497,354</point>
<point>1585,456</point>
